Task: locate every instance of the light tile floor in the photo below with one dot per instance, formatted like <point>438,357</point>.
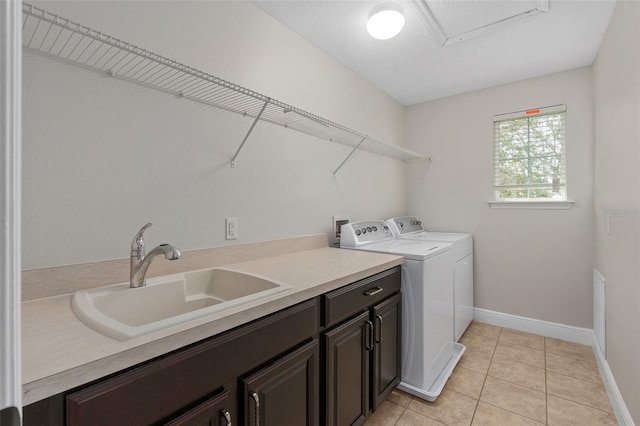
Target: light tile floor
<point>509,378</point>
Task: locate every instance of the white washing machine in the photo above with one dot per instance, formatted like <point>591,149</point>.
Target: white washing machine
<point>409,227</point>
<point>429,353</point>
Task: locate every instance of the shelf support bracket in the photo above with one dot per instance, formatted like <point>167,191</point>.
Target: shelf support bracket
<point>233,160</point>
<point>353,151</point>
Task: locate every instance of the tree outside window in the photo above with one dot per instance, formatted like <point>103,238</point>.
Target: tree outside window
<point>530,155</point>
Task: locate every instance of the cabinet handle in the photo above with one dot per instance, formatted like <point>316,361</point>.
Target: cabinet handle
<point>256,414</point>
<point>368,344</point>
<point>379,328</point>
<point>373,291</point>
<point>226,415</point>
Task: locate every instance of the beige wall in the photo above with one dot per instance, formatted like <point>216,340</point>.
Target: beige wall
<point>93,146</point>
<point>102,157</point>
<point>616,75</point>
<point>532,263</point>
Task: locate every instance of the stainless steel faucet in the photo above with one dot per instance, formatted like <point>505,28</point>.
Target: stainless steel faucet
<point>140,262</point>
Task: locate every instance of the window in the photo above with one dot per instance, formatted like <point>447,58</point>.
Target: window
<point>530,155</point>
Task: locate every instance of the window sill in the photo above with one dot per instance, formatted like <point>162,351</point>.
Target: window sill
<point>532,204</point>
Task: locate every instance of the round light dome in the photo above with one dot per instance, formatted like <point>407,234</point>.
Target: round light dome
<point>385,22</point>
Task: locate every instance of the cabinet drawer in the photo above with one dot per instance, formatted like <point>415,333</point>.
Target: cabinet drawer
<point>213,412</point>
<point>347,301</point>
<point>156,390</point>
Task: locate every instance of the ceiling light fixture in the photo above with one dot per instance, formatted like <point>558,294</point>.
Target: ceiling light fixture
<point>385,21</point>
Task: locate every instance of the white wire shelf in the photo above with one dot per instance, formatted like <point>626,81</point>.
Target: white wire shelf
<point>53,36</point>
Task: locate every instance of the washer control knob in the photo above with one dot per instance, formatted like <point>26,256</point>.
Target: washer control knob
<point>386,228</point>
<point>358,232</point>
<point>375,229</point>
<point>364,231</point>
<point>401,225</point>
<point>368,229</point>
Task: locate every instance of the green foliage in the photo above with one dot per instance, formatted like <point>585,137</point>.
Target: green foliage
<point>530,157</point>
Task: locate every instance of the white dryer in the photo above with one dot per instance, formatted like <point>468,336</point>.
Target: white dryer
<point>429,353</point>
<point>410,227</point>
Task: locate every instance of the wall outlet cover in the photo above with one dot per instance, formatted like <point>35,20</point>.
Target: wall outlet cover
<point>231,228</point>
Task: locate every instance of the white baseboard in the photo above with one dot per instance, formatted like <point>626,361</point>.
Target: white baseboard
<point>584,336</point>
<point>619,407</point>
<point>569,333</point>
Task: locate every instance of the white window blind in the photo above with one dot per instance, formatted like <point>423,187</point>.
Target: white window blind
<point>529,160</point>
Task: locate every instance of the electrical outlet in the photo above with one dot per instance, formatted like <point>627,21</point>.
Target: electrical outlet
<point>232,228</point>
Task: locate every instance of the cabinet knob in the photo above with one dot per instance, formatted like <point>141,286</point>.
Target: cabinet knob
<point>226,415</point>
<point>379,329</point>
<point>368,344</point>
<point>373,291</point>
<point>256,414</point>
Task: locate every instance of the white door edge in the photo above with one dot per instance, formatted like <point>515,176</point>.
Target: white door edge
<point>10,200</point>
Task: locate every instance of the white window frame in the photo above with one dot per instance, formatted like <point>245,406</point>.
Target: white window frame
<point>528,203</point>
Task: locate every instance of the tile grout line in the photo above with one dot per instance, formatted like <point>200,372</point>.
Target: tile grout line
<point>513,412</point>
<point>546,388</point>
<point>575,378</point>
<point>583,404</point>
<point>486,374</point>
<point>511,361</point>
<point>402,414</point>
<point>574,357</point>
<point>546,349</point>
<point>573,375</point>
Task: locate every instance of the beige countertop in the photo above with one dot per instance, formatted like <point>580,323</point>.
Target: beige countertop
<point>59,352</point>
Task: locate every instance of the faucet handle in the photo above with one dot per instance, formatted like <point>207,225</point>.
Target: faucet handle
<point>137,245</point>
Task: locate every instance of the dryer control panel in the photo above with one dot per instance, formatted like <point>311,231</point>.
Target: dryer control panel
<point>405,225</point>
<point>357,234</point>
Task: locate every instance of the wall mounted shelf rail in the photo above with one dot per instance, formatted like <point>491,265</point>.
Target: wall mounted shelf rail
<point>59,38</point>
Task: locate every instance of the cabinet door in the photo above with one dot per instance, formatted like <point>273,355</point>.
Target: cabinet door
<point>347,371</point>
<point>212,412</point>
<point>387,351</point>
<point>286,392</point>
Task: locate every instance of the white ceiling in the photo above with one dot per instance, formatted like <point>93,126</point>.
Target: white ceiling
<point>414,67</point>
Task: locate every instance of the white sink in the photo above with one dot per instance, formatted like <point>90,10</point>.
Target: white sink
<point>123,312</point>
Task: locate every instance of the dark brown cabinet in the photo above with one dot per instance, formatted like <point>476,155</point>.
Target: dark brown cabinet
<point>178,386</point>
<point>286,392</point>
<point>212,412</point>
<point>386,353</point>
<point>328,360</point>
<point>362,354</point>
<point>347,372</point>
